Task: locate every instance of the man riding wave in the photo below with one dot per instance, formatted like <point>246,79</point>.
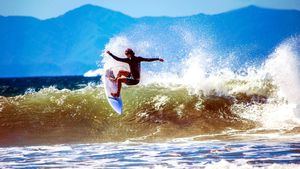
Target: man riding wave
<point>131,77</point>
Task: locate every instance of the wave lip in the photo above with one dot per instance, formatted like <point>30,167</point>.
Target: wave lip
<point>152,113</point>
<point>213,105</point>
<point>206,96</point>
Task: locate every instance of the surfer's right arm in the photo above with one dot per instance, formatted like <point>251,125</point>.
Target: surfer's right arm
<point>117,58</point>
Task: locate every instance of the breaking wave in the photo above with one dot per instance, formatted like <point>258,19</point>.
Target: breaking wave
<point>200,96</point>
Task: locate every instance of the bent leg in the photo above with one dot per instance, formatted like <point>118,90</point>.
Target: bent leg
<point>120,74</point>
<point>123,73</point>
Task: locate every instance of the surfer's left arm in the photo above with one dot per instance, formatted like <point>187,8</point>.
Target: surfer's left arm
<point>117,58</point>
<point>151,59</point>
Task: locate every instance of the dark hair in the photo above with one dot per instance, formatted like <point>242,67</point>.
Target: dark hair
<point>129,51</point>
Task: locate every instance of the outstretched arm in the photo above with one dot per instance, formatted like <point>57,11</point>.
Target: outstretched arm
<point>151,59</point>
<point>117,58</point>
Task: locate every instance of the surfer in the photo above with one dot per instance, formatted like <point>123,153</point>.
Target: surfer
<point>131,77</point>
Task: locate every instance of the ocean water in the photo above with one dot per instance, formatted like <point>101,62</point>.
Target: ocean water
<point>175,154</point>
<point>198,112</point>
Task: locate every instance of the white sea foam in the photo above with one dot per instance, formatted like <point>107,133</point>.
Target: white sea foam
<point>186,154</point>
<point>93,73</point>
<point>242,164</point>
<point>283,68</point>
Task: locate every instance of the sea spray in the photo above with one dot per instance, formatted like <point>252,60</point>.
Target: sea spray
<point>275,83</point>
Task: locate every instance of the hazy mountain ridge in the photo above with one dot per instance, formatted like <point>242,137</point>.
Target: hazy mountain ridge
<point>71,43</point>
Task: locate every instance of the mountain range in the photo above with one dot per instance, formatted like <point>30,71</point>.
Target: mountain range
<point>70,44</point>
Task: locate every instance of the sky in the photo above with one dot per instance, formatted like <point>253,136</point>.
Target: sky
<point>44,9</point>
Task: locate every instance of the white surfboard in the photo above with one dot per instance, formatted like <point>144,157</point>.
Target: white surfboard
<point>112,87</point>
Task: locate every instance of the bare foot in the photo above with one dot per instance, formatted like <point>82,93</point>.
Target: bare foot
<point>115,94</point>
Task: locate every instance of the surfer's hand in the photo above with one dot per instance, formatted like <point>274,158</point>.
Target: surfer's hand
<point>161,60</point>
<point>108,52</point>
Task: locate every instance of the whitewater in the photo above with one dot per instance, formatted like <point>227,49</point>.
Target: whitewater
<point>192,111</point>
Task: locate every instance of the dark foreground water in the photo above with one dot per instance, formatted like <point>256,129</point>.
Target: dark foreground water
<point>187,154</point>
<point>19,86</point>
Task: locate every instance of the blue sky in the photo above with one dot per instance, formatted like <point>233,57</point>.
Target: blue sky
<point>137,8</point>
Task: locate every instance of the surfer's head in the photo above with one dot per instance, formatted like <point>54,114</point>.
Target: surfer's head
<point>129,53</point>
